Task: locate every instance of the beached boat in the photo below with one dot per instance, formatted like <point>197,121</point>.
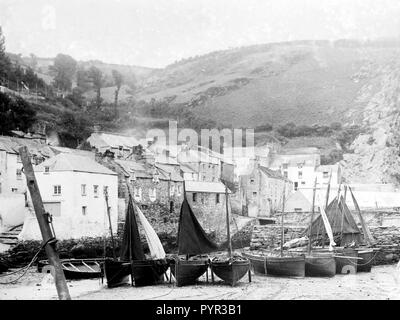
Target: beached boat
<point>192,241</point>
<point>75,268</point>
<point>230,268</point>
<point>132,259</point>
<point>287,266</point>
<point>366,261</point>
<point>320,264</point>
<point>346,260</point>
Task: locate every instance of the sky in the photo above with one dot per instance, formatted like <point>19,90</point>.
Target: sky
<point>155,33</point>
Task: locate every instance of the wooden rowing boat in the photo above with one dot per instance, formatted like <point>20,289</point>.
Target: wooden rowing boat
<point>230,270</point>
<point>186,272</point>
<point>76,268</point>
<point>320,264</point>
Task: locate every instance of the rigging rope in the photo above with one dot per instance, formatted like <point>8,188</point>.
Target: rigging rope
<point>26,268</point>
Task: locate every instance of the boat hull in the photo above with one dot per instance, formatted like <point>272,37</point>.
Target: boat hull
<point>230,271</point>
<point>367,259</point>
<point>186,272</point>
<point>348,263</point>
<point>75,269</point>
<point>258,263</point>
<point>286,266</point>
<point>117,272</point>
<point>320,265</point>
<point>144,272</point>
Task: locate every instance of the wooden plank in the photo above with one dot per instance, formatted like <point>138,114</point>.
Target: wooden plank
<point>89,267</point>
<point>44,225</point>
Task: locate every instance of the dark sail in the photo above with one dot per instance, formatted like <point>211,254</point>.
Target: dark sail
<point>191,237</point>
<point>131,247</point>
<point>341,221</point>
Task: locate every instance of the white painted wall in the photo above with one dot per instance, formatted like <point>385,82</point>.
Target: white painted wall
<point>8,174</point>
<point>72,223</point>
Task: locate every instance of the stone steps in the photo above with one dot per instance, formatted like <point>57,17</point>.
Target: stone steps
<point>10,237</point>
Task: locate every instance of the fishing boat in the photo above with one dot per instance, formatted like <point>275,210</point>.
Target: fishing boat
<point>192,240</point>
<point>279,264</point>
<point>132,261</point>
<point>317,263</point>
<point>230,267</point>
<point>366,255</point>
<point>75,268</point>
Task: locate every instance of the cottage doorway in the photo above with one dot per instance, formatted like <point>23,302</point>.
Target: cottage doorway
<point>171,207</point>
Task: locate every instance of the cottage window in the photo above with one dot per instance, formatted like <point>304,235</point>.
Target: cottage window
<point>194,197</point>
<point>84,210</point>
<point>252,181</point>
<point>217,198</point>
<point>300,165</point>
<point>303,182</point>
<point>96,191</point>
<point>254,194</point>
<point>300,173</point>
<point>202,198</point>
<point>172,190</point>
<point>152,194</point>
<point>296,185</point>
<point>179,190</point>
<point>19,174</point>
<point>83,189</point>
<point>285,165</point>
<point>46,169</point>
<point>105,190</point>
<point>285,174</point>
<point>325,175</point>
<point>57,190</point>
<point>14,189</point>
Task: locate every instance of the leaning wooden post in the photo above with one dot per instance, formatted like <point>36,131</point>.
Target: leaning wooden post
<point>47,235</point>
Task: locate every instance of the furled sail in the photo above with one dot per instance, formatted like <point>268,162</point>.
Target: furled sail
<point>191,237</point>
<point>131,247</point>
<point>155,246</point>
<point>327,225</point>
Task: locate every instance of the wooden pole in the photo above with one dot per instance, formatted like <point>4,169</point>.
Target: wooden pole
<point>47,235</point>
<point>228,231</point>
<point>109,221</point>
<point>326,206</point>
<point>367,234</point>
<point>283,212</point>
<point>312,215</point>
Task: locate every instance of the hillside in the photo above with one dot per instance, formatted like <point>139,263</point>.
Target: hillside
<point>303,82</point>
<point>312,82</point>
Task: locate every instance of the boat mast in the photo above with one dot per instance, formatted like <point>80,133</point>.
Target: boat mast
<point>312,215</point>
<point>109,221</point>
<point>283,210</point>
<point>228,231</point>
<point>344,200</point>
<point>367,233</point>
<point>328,189</point>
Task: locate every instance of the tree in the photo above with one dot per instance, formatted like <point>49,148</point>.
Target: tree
<point>15,113</point>
<point>5,63</point>
<point>118,80</point>
<point>97,79</point>
<point>64,68</point>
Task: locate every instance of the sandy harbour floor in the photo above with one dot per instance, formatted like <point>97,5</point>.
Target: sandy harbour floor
<point>383,283</point>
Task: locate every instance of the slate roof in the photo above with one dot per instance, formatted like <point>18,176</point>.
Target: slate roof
<point>204,186</point>
<point>70,162</point>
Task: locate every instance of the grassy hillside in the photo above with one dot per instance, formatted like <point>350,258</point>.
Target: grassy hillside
<point>309,82</point>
